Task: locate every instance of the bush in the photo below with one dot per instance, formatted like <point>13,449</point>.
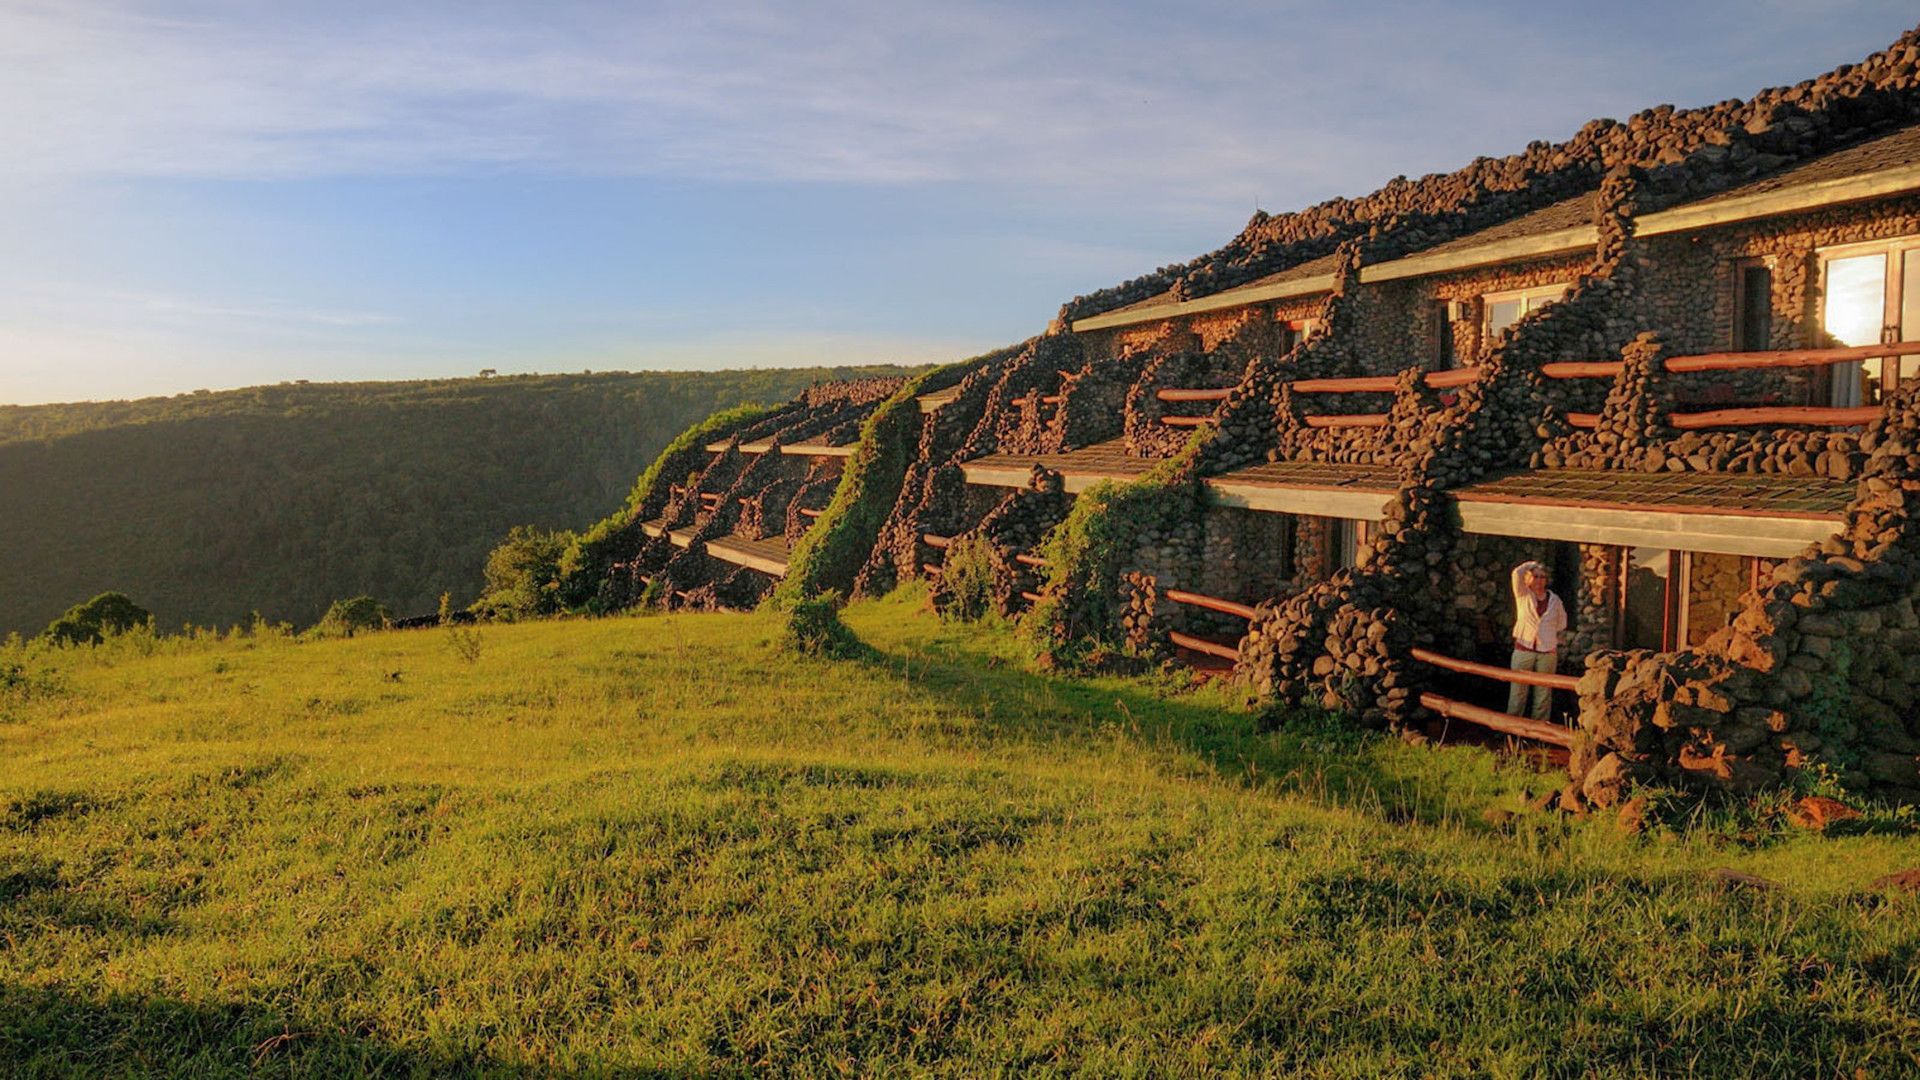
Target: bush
<point>464,641</point>
<point>967,579</point>
<point>813,628</point>
<point>90,623</point>
<point>349,617</point>
<point>523,574</point>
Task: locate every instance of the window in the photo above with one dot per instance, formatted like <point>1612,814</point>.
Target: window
<point>1648,599</point>
<point>1347,536</point>
<point>1870,294</point>
<point>1507,308</point>
<point>1293,332</point>
<point>1753,308</point>
<point>1445,358</point>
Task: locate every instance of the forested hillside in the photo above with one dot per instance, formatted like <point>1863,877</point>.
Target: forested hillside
<point>205,507</point>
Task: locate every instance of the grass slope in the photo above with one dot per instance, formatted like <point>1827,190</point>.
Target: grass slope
<point>662,844</point>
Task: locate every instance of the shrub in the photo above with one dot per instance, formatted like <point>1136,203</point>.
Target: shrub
<point>462,639</point>
<point>90,623</point>
<point>523,574</point>
<point>967,579</point>
<point>813,628</point>
<point>349,617</point>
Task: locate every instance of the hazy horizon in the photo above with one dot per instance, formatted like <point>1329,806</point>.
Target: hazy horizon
<point>211,194</point>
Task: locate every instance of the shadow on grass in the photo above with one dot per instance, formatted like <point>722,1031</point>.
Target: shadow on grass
<point>51,1032</point>
<point>1309,756</point>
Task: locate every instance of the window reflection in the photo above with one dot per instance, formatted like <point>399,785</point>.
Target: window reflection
<point>1856,305</point>
<point>1644,618</point>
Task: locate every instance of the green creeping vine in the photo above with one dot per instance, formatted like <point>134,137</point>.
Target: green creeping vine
<point>591,555</point>
<point>830,554</point>
<point>1079,606</point>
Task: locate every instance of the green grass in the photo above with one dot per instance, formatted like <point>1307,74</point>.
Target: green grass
<point>662,844</point>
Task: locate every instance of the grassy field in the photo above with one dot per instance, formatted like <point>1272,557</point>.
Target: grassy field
<point>663,845</point>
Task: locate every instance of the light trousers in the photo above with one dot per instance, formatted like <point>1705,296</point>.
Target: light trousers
<point>1543,662</point>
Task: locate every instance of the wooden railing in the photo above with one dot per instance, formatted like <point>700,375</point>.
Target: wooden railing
<point>1385,384</point>
<point>1211,603</point>
<point>1738,361</point>
<point>1822,415</point>
<point>1356,420</point>
<point>1779,359</point>
<point>1503,722</point>
<point>1202,645</point>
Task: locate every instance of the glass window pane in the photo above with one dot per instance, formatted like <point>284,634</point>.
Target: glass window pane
<point>1856,299</point>
<point>1910,311</point>
<point>1856,307</point>
<point>1501,314</point>
<point>1535,303</point>
<point>1346,543</point>
<point>1645,618</point>
<point>1754,332</point>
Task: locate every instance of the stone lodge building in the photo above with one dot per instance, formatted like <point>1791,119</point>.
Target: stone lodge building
<point>1676,358</point>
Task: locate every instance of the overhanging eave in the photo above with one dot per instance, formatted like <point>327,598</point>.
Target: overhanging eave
<point>1766,536</point>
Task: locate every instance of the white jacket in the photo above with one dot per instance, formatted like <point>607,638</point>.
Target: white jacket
<point>1532,628</point>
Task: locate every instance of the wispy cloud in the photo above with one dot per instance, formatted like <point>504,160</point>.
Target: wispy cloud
<point>1206,100</point>
<point>1208,96</point>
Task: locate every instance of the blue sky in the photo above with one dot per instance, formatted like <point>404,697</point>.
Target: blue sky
<point>217,194</point>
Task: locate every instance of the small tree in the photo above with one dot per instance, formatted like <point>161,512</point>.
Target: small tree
<point>96,620</point>
<point>523,574</point>
<point>349,617</point>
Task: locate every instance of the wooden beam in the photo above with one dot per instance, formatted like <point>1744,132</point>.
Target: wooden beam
<point>1211,603</point>
<point>1385,384</point>
<point>1202,645</point>
<point>1359,504</point>
<point>1582,369</point>
<point>936,541</point>
<point>1469,667</point>
<point>1184,421</point>
<point>1193,395</point>
<point>1505,723</point>
<point>1357,420</point>
<point>1789,358</point>
<point>1772,536</point>
<point>1796,414</point>
<point>1372,384</point>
